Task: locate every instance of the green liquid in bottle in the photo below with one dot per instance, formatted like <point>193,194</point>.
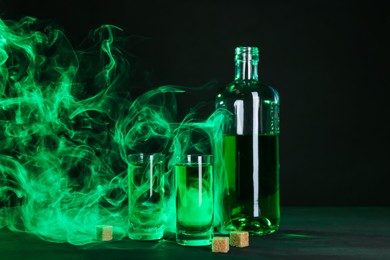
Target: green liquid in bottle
<point>252,165</point>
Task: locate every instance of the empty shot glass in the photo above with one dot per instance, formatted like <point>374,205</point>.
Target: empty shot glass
<point>194,200</point>
<point>146,196</point>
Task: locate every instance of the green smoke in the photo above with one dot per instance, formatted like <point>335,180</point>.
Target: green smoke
<point>67,127</point>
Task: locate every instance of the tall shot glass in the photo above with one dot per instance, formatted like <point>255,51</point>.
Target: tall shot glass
<point>146,196</point>
<point>194,200</point>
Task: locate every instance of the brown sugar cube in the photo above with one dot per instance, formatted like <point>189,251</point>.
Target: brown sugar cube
<point>239,238</point>
<point>104,233</point>
<point>220,245</point>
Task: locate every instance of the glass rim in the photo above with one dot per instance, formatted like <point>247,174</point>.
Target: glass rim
<point>193,158</point>
<point>145,157</point>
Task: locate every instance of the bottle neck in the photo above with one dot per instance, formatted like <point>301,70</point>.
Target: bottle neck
<point>246,70</point>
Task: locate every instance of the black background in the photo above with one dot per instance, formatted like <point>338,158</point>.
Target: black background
<point>327,59</point>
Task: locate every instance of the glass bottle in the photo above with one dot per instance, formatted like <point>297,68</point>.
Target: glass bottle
<point>250,149</point>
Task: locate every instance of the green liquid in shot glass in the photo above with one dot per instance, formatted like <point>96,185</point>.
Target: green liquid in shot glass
<point>194,203</point>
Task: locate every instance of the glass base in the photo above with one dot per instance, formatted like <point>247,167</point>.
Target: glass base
<point>188,238</point>
<point>255,226</point>
<point>146,234</point>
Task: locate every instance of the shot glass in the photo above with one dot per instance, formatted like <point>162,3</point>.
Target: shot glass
<point>194,200</point>
<point>146,195</point>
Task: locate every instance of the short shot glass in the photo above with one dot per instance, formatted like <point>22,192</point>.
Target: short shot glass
<point>194,200</point>
<point>146,196</point>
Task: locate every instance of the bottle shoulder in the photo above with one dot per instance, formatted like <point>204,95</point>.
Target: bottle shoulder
<point>241,89</point>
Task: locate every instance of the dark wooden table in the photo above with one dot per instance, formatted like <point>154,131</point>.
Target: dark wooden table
<point>306,233</point>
